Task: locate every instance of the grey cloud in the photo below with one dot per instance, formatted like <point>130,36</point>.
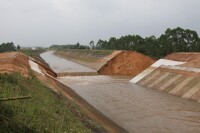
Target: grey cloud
<point>46,22</point>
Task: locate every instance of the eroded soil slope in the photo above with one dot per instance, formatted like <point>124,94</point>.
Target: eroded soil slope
<point>184,57</point>
<point>192,59</point>
<point>126,63</point>
<point>14,62</point>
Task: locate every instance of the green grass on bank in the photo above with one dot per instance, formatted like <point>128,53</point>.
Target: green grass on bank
<point>43,112</point>
<point>34,53</point>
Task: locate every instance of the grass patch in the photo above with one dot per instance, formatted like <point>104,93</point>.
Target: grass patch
<point>34,53</point>
<point>43,112</point>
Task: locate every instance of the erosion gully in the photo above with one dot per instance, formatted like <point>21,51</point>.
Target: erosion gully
<point>133,107</point>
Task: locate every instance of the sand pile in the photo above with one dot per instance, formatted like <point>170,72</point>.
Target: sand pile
<point>14,62</point>
<point>125,63</point>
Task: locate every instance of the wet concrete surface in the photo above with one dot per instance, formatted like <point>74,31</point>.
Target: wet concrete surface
<point>59,64</point>
<point>135,108</point>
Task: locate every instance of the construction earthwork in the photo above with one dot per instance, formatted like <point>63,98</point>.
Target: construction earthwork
<point>176,74</point>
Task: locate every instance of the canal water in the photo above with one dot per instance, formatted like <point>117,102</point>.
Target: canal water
<point>135,108</point>
<point>60,65</point>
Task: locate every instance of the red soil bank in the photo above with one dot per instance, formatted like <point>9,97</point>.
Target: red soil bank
<point>126,63</point>
<point>14,62</point>
<point>184,57</point>
<point>17,62</point>
<point>192,58</point>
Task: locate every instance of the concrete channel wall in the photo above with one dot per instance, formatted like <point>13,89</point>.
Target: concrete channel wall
<point>173,76</point>
<point>175,81</point>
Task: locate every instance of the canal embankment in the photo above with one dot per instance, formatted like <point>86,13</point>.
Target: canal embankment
<point>45,109</point>
<point>133,107</point>
<point>176,74</point>
<point>115,63</point>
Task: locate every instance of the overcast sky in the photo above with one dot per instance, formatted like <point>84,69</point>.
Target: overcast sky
<point>47,22</point>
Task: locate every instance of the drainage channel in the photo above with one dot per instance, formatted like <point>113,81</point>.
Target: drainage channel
<point>135,108</point>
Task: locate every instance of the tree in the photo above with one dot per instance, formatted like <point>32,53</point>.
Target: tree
<point>7,47</point>
<point>78,45</point>
<point>91,44</point>
<point>18,47</point>
<point>179,40</point>
<point>173,40</point>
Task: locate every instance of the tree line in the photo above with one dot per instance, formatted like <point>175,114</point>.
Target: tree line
<point>68,46</point>
<point>8,47</point>
<point>173,40</point>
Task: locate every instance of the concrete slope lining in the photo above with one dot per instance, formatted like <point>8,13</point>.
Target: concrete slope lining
<point>147,78</point>
<point>192,91</point>
<point>161,62</point>
<point>142,74</point>
<point>160,79</point>
<point>170,81</point>
<point>180,83</point>
<point>35,67</point>
<point>176,74</point>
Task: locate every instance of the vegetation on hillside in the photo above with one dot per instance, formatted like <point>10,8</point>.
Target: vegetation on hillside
<point>34,53</point>
<point>68,46</point>
<point>45,111</point>
<point>8,47</point>
<point>173,40</point>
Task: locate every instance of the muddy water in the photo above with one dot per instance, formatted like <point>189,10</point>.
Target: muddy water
<point>135,108</point>
<point>59,64</point>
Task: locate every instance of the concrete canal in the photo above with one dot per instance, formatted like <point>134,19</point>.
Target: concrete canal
<point>134,108</point>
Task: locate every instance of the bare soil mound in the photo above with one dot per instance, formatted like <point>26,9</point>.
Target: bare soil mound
<point>192,59</point>
<point>103,61</point>
<point>193,64</point>
<point>184,57</point>
<point>125,63</point>
<point>17,62</point>
<point>14,62</point>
